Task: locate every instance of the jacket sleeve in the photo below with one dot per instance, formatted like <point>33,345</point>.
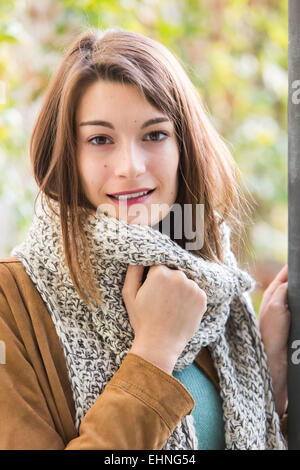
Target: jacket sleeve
<point>139,408</point>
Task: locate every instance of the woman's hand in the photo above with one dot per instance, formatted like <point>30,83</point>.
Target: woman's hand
<point>274,325</point>
<point>164,311</point>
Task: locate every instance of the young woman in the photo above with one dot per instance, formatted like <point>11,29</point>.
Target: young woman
<point>96,355</point>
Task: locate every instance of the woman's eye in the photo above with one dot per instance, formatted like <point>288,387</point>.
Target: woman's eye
<point>98,137</point>
<point>154,138</point>
<point>155,133</point>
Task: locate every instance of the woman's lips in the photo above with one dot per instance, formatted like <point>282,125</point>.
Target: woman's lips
<point>135,200</point>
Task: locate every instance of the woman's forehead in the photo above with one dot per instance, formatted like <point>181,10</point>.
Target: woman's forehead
<point>109,103</point>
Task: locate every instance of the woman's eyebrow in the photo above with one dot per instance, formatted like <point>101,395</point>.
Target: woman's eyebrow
<point>108,124</point>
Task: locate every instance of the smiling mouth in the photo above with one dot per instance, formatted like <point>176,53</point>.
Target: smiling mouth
<point>130,197</point>
<point>125,201</point>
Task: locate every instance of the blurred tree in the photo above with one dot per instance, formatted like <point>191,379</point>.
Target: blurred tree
<point>235,52</point>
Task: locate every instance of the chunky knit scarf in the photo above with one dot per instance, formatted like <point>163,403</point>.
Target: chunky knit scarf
<point>95,341</point>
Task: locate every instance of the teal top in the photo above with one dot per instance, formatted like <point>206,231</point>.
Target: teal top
<point>207,413</point>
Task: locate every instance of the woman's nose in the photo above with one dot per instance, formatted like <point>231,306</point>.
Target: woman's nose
<point>129,162</point>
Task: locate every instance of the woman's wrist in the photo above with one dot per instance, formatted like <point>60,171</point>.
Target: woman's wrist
<point>278,372</point>
<point>159,357</point>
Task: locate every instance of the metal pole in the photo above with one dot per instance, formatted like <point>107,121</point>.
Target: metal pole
<point>294,225</point>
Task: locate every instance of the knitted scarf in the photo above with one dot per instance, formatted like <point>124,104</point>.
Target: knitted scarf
<point>95,341</point>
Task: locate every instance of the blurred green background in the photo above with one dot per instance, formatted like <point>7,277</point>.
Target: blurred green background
<point>235,52</point>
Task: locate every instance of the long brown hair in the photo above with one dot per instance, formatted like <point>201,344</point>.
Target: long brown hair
<point>208,173</point>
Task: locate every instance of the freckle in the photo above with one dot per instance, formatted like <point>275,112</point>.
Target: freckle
<point>105,166</point>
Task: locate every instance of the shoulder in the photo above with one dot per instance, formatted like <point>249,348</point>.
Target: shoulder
<point>10,296</point>
<point>22,310</point>
<point>10,260</point>
<point>17,290</point>
<point>7,267</point>
<point>12,272</point>
<point>10,264</point>
<point>18,295</point>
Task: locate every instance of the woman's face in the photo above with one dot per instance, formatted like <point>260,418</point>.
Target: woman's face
<point>118,151</point>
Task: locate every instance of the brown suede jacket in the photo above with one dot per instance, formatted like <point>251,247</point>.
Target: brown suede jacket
<point>139,408</point>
